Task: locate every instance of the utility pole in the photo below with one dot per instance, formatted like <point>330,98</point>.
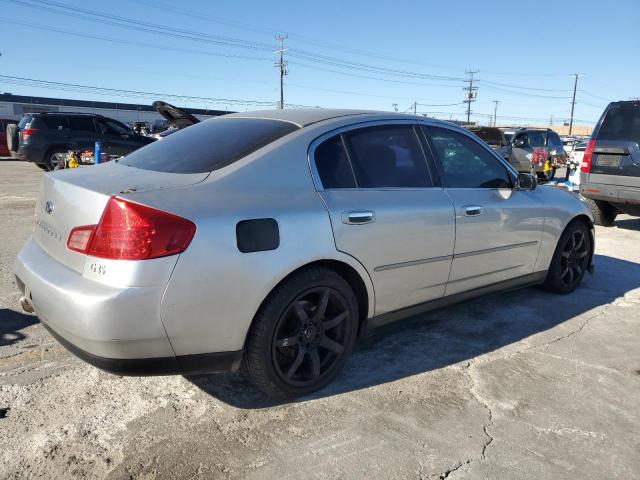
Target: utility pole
<point>471,92</point>
<point>495,111</point>
<point>573,100</point>
<point>395,107</point>
<point>415,108</point>
<point>282,65</point>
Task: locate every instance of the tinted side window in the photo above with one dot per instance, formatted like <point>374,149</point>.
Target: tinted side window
<point>622,122</point>
<point>388,156</point>
<point>208,145</point>
<point>465,163</point>
<point>333,164</point>
<point>553,141</point>
<point>24,121</point>
<point>54,122</point>
<point>82,124</point>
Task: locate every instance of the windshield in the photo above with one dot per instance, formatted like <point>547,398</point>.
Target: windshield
<point>208,145</point>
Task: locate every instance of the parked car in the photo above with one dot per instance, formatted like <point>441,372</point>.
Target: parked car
<point>610,171</point>
<point>43,138</point>
<point>4,124</point>
<point>492,135</point>
<point>535,150</point>
<point>282,236</point>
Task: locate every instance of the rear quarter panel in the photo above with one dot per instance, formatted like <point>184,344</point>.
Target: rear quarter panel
<point>215,290</point>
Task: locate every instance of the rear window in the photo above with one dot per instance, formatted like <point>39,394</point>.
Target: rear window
<point>491,136</point>
<point>208,145</point>
<point>622,122</point>
<point>553,141</point>
<point>24,121</point>
<point>55,122</point>
<point>536,139</point>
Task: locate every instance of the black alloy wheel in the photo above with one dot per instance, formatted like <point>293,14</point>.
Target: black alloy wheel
<point>574,258</point>
<point>303,333</point>
<point>311,336</point>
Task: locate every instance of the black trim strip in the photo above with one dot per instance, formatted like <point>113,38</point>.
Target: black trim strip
<point>180,365</point>
<point>391,317</point>
<point>495,249</point>
<point>411,263</point>
<point>422,261</point>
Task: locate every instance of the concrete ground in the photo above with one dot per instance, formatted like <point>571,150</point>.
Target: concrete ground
<point>524,384</point>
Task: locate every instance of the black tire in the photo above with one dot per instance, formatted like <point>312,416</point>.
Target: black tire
<point>13,139</point>
<point>53,158</point>
<point>42,166</point>
<point>570,260</point>
<point>604,214</point>
<point>303,334</point>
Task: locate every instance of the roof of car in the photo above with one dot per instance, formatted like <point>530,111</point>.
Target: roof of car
<point>306,116</point>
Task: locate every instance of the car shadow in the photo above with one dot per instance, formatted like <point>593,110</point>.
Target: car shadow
<point>11,322</point>
<point>628,223</point>
<point>456,334</point>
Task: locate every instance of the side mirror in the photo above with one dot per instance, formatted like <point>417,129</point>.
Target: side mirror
<point>526,182</point>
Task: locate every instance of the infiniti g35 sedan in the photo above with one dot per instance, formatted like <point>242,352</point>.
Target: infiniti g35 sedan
<point>272,240</point>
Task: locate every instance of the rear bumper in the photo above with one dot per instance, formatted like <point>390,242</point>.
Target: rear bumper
<point>115,329</point>
<point>611,193</point>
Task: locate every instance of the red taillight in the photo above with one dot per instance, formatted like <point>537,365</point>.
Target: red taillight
<point>588,156</point>
<point>27,132</point>
<point>540,155</point>
<point>130,231</point>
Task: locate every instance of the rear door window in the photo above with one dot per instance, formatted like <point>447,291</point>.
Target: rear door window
<point>82,124</point>
<point>24,121</point>
<point>55,122</point>
<point>333,164</point>
<point>208,145</point>
<point>621,123</point>
<point>388,156</point>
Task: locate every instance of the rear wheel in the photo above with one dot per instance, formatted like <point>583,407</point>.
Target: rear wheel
<point>604,214</point>
<point>303,334</point>
<point>55,158</point>
<point>570,260</point>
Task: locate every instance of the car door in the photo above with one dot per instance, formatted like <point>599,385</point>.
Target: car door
<point>386,211</point>
<point>498,228</point>
<point>118,139</point>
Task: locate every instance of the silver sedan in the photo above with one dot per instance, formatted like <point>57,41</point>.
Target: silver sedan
<point>275,239</point>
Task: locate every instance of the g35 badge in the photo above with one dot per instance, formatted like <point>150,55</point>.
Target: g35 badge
<point>98,268</point>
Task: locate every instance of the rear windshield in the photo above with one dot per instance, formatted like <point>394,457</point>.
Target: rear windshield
<point>491,136</point>
<point>536,139</point>
<point>24,121</point>
<point>622,122</point>
<point>208,145</point>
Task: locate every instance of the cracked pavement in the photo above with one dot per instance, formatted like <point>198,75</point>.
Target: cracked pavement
<point>524,384</point>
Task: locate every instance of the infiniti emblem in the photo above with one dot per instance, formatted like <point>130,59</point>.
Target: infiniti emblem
<point>48,207</point>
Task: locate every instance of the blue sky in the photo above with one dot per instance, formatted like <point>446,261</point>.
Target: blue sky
<point>397,52</point>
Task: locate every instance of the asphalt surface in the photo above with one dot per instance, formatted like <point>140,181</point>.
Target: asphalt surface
<point>524,384</point>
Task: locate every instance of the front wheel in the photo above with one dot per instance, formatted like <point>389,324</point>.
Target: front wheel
<point>303,334</point>
<point>570,260</point>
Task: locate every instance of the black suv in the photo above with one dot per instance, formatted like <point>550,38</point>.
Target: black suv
<point>42,138</point>
<point>610,171</point>
<point>534,150</point>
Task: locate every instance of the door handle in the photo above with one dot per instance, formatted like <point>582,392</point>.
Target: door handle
<point>472,210</point>
<point>358,217</point>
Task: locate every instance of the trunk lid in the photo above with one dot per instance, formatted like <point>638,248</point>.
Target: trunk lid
<point>174,115</point>
<point>76,197</point>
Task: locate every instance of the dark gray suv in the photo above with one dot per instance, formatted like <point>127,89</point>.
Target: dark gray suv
<point>610,171</point>
<point>42,138</point>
